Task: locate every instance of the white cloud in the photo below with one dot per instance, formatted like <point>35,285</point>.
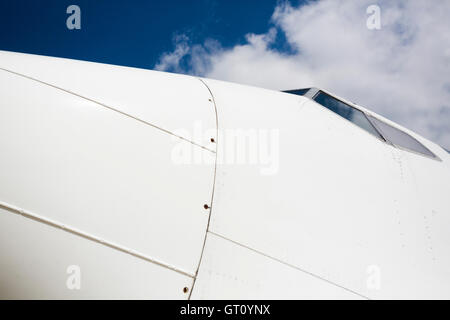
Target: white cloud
<point>400,71</point>
<point>171,60</point>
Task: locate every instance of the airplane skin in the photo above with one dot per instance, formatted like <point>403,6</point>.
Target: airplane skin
<point>119,183</point>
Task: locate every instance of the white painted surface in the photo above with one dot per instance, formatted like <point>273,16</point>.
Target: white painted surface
<point>338,203</point>
<point>96,170</point>
<point>179,104</point>
<point>35,258</point>
<point>230,271</point>
<point>341,202</point>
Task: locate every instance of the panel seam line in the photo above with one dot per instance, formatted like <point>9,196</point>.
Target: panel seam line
<point>74,231</point>
<point>108,107</point>
<point>288,265</point>
<point>213,188</point>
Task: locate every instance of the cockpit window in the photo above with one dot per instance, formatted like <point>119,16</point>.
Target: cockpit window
<point>344,110</point>
<point>300,92</point>
<point>374,126</point>
<point>400,138</point>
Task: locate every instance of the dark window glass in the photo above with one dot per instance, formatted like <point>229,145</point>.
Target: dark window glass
<point>299,92</point>
<point>344,110</point>
<point>399,138</point>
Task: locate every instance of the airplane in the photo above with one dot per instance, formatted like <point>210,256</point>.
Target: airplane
<point>124,183</point>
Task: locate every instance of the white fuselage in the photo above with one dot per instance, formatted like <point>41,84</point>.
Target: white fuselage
<point>118,182</point>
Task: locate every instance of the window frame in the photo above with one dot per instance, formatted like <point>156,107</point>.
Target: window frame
<point>380,135</point>
<point>314,92</point>
<point>430,156</point>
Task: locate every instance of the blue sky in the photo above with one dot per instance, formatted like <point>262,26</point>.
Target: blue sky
<point>399,70</point>
<point>117,32</point>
